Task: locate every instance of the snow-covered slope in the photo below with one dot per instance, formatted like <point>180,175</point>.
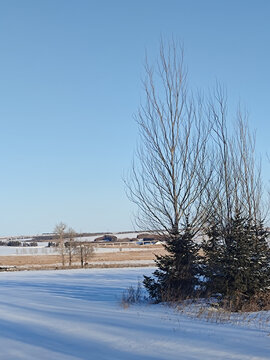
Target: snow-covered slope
<point>76,314</point>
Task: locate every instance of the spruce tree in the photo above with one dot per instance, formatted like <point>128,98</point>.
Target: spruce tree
<point>237,261</point>
<point>176,276</point>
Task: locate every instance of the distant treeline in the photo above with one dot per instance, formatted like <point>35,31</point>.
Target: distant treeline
<point>18,243</point>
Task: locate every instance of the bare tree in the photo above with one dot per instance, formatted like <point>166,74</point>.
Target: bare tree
<point>171,167</point>
<point>85,252</point>
<point>71,245</point>
<point>60,230</point>
<point>236,183</point>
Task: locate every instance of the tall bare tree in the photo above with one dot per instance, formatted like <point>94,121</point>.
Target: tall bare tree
<point>236,253</point>
<point>236,183</point>
<point>171,167</point>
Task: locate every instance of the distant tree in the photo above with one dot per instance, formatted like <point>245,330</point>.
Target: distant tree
<point>14,243</point>
<point>60,231</point>
<point>33,243</point>
<point>85,251</point>
<point>71,245</point>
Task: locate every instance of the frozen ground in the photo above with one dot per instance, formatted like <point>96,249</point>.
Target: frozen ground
<point>29,250</point>
<point>44,250</point>
<point>76,315</point>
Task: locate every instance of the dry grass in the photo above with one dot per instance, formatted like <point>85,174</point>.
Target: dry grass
<point>26,262</point>
<point>132,295</point>
<point>213,313</point>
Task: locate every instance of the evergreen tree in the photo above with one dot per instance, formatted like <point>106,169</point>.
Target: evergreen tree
<point>259,260</point>
<point>237,261</point>
<point>213,256</point>
<point>176,276</point>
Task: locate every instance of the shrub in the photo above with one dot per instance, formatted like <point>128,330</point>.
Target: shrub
<point>132,295</point>
<point>14,243</point>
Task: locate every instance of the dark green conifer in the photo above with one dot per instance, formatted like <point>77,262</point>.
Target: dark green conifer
<point>237,261</point>
<point>176,276</point>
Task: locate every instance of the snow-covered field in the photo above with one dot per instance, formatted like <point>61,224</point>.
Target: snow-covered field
<point>76,314</point>
<point>29,250</point>
<point>44,250</point>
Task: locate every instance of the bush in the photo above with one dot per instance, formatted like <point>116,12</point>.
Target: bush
<point>33,243</point>
<point>132,295</point>
<point>14,243</point>
<point>51,244</point>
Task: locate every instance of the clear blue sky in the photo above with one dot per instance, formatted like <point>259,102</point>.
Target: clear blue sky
<point>70,83</point>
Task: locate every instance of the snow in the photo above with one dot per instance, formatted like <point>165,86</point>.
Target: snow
<point>45,250</point>
<point>125,235</point>
<point>87,238</point>
<point>28,250</point>
<point>129,235</point>
<point>76,315</point>
<point>124,262</point>
<point>111,249</point>
<point>118,235</point>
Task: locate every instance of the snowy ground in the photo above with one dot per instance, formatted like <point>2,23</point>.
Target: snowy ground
<point>29,250</point>
<point>77,315</point>
<point>44,250</point>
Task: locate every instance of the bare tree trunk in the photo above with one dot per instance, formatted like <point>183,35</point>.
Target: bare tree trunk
<point>71,245</point>
<point>70,254</point>
<point>82,257</point>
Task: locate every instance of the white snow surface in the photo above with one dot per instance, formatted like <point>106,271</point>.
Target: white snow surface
<point>76,314</point>
<point>44,250</point>
<point>29,250</point>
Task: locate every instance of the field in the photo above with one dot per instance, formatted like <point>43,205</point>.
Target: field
<point>102,257</point>
<point>76,315</point>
